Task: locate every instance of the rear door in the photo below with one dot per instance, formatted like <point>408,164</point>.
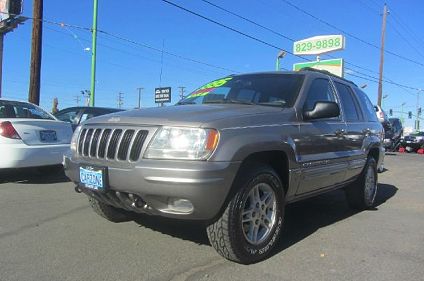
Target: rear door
<point>357,129</point>
<point>320,145</point>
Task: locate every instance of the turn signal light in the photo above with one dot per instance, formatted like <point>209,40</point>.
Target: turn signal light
<point>8,131</point>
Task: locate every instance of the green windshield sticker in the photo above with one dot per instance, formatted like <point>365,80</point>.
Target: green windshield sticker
<point>206,89</point>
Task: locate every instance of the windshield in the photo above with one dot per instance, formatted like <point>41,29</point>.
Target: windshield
<point>254,89</point>
<point>14,109</point>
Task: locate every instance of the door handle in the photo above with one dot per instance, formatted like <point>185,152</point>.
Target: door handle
<point>340,132</point>
<point>366,131</point>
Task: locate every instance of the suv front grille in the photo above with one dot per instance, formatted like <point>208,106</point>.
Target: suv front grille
<point>111,144</point>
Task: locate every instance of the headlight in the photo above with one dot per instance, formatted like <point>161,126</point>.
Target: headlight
<point>74,139</point>
<point>182,143</point>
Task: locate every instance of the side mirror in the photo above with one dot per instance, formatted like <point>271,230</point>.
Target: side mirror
<point>322,109</point>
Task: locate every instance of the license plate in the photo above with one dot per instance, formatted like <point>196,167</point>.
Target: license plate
<point>48,136</point>
<point>408,141</point>
<point>93,177</point>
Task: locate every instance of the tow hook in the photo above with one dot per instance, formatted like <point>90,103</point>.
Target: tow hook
<point>78,189</point>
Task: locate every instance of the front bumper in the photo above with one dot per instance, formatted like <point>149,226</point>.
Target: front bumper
<point>158,182</point>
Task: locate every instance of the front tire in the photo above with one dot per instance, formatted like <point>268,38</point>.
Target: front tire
<point>361,194</point>
<point>251,224</point>
<point>108,212</point>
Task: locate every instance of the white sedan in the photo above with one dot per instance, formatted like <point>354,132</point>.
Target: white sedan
<point>31,137</point>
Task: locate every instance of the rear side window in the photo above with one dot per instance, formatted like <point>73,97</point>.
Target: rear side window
<point>367,106</point>
<point>68,116</point>
<point>348,103</point>
<point>320,90</point>
<point>13,109</point>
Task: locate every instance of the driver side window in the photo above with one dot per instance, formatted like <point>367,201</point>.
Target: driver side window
<point>320,90</point>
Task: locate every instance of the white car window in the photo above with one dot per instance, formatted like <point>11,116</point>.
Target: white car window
<point>14,109</point>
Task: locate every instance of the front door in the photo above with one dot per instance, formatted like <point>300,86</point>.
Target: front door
<point>321,143</point>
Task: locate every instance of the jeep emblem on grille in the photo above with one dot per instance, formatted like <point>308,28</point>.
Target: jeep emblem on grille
<point>114,119</point>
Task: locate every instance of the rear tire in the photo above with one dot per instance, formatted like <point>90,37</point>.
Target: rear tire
<point>361,194</point>
<point>251,224</point>
<point>108,212</point>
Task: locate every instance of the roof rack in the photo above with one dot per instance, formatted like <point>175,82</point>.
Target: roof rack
<point>327,73</point>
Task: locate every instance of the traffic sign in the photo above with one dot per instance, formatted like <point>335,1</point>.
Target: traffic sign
<point>334,66</point>
<point>318,45</point>
<point>163,95</point>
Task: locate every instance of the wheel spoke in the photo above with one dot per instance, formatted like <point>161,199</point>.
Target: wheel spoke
<point>256,195</point>
<point>265,225</point>
<point>255,233</point>
<point>266,196</point>
<point>259,212</point>
<point>269,199</point>
<point>247,215</point>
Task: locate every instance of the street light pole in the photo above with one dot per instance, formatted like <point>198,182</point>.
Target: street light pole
<point>401,117</point>
<point>139,96</point>
<point>93,54</point>
<point>280,55</point>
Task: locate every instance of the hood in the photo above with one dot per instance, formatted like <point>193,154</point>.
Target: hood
<point>183,115</point>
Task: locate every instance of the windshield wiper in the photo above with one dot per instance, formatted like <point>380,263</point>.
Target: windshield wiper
<point>280,103</point>
<point>230,101</point>
<point>185,102</point>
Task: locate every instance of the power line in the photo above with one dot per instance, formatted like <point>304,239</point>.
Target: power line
<point>284,36</point>
<point>120,100</point>
<point>348,33</point>
<point>249,20</point>
<point>416,38</point>
<point>369,77</point>
<point>365,76</point>
<point>228,27</point>
<point>405,39</point>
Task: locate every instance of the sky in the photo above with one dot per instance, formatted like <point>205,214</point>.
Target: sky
<point>196,51</point>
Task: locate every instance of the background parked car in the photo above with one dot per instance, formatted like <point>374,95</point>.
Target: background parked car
<point>31,137</point>
<point>384,120</point>
<point>393,135</point>
<point>77,115</point>
<point>414,141</point>
<point>381,114</point>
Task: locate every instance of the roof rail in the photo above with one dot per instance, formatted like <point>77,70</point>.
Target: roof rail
<point>327,73</point>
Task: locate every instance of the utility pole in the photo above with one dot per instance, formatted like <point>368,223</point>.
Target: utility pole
<point>77,99</point>
<point>383,33</point>
<point>417,117</point>
<point>182,92</point>
<point>86,94</point>
<point>93,54</point>
<point>36,46</point>
<point>120,99</point>
<point>140,90</point>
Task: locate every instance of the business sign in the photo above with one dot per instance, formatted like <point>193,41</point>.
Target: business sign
<point>318,45</point>
<point>163,95</point>
<point>10,9</point>
<point>334,66</point>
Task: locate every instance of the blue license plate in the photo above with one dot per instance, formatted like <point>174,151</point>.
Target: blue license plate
<point>93,178</point>
<point>48,136</point>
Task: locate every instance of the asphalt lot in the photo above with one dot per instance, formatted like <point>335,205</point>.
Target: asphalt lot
<point>48,232</point>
